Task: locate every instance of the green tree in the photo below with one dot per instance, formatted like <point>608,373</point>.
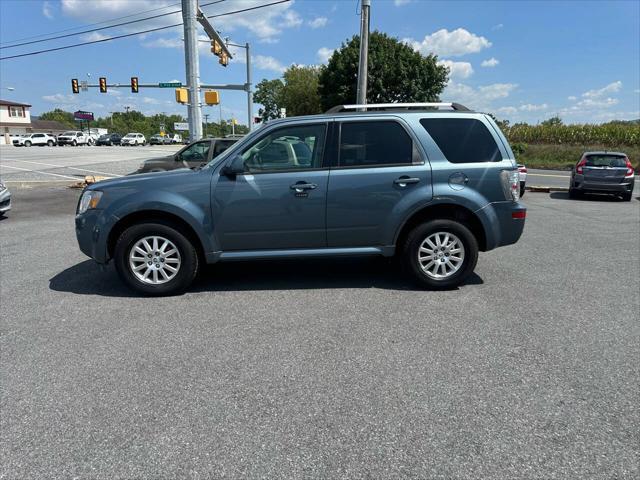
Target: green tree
<point>58,115</point>
<point>397,73</point>
<point>269,94</point>
<point>552,122</point>
<point>300,93</point>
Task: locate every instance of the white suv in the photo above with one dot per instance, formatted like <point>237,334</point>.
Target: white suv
<point>41,139</point>
<point>133,139</point>
<point>73,137</point>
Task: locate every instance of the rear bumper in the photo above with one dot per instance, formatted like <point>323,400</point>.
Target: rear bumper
<point>580,184</point>
<point>505,221</point>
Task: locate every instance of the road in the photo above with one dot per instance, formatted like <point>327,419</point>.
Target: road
<point>342,371</point>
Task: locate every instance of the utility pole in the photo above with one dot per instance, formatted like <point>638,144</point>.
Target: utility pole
<point>206,123</point>
<point>249,91</point>
<point>192,67</point>
<point>364,53</point>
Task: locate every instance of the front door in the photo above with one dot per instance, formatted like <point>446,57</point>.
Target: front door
<point>279,201</point>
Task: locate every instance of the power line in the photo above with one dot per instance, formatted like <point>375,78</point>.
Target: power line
<point>87,25</point>
<point>38,52</point>
<point>105,28</point>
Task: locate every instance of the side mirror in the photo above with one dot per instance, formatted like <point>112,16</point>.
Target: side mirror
<point>234,167</point>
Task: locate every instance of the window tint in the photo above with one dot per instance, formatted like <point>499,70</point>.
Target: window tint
<point>462,140</point>
<point>198,152</point>
<point>220,146</point>
<point>288,148</point>
<point>374,143</point>
<point>606,161</point>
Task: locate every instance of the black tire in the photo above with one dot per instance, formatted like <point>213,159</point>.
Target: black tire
<point>50,143</point>
<point>522,189</point>
<point>188,254</point>
<point>574,194</point>
<point>27,143</point>
<point>418,235</point>
<point>627,196</point>
<point>74,143</point>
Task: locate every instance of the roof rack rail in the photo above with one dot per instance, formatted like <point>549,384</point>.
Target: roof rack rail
<point>392,106</point>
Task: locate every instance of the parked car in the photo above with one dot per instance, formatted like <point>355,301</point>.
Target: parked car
<point>133,139</point>
<point>602,172</point>
<point>156,139</point>
<point>522,174</point>
<point>39,139</point>
<point>191,156</point>
<point>5,199</point>
<point>345,183</point>
<point>173,139</point>
<point>74,138</point>
<point>109,139</point>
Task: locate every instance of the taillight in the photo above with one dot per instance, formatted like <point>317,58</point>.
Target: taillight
<point>510,184</point>
<point>522,169</point>
<point>581,164</point>
<point>629,167</point>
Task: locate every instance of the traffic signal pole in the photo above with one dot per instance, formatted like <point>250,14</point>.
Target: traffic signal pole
<point>192,67</point>
<point>364,53</point>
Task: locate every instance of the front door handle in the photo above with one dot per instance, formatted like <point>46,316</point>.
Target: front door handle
<point>404,181</point>
<point>302,186</point>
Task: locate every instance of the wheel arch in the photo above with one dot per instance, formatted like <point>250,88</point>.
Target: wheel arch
<point>444,211</point>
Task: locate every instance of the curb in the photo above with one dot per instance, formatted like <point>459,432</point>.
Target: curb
<point>539,188</point>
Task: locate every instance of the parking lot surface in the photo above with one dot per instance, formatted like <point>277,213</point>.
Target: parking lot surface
<point>325,369</point>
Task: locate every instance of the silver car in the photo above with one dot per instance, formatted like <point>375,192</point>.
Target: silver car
<point>5,199</point>
<point>602,172</point>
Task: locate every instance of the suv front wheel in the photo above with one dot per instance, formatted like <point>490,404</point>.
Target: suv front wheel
<point>156,259</point>
<point>440,254</point>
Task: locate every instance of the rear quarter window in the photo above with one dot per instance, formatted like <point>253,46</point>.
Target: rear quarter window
<point>463,140</point>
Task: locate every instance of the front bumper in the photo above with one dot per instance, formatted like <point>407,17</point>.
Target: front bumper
<point>5,201</point>
<point>90,233</point>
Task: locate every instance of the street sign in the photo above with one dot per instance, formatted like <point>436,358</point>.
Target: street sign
<point>84,86</point>
<point>170,84</point>
<point>82,115</point>
<point>180,126</point>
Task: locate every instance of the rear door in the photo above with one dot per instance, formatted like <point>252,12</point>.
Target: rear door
<point>605,169</point>
<point>377,168</point>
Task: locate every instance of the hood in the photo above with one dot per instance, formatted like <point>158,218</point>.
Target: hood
<point>148,180</point>
<point>163,160</point>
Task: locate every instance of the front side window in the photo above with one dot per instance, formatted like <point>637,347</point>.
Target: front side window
<point>463,140</point>
<point>198,152</point>
<point>287,148</point>
<point>374,143</point>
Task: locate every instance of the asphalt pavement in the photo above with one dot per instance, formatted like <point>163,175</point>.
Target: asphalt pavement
<point>325,369</point>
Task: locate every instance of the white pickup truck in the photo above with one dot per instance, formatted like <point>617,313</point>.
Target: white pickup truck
<point>73,137</point>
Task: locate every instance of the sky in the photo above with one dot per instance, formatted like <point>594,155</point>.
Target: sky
<point>521,60</point>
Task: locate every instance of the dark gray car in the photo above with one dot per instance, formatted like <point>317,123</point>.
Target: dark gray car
<point>192,156</point>
<point>602,172</point>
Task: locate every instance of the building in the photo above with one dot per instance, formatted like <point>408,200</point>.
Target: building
<point>48,126</point>
<point>15,119</point>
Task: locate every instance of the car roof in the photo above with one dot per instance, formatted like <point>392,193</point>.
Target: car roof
<point>604,152</point>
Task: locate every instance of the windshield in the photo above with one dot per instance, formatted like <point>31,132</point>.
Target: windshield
<point>606,161</point>
<point>130,135</point>
<point>104,137</point>
<point>69,134</point>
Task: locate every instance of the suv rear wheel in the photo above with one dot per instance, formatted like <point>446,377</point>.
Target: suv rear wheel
<point>155,259</point>
<point>440,253</point>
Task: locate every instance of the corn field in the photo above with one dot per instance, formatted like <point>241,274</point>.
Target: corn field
<point>609,134</point>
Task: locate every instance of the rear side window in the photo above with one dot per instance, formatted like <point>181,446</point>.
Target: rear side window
<point>463,140</point>
<point>606,161</point>
<point>374,143</point>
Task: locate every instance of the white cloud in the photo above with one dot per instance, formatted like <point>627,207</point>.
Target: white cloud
<point>457,69</point>
<point>151,101</point>
<point>573,98</point>
<point>445,43</point>
<point>530,107</point>
<point>613,87</point>
<point>263,62</point>
<point>291,19</point>
<point>71,101</point>
<point>490,63</point>
<point>60,98</point>
<point>499,26</point>
<point>480,98</point>
<point>94,36</point>
<point>46,10</point>
<point>164,43</point>
<point>318,22</point>
<point>399,3</point>
<point>507,110</point>
<point>598,102</point>
<point>324,54</point>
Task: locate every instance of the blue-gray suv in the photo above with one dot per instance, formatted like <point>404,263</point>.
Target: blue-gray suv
<point>431,183</point>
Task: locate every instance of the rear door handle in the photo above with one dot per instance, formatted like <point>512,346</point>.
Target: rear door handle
<point>404,181</point>
<point>302,186</point>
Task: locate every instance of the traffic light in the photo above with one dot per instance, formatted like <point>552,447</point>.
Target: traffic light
<point>224,59</point>
<point>216,48</point>
<point>103,84</point>
<point>134,84</point>
<point>211,97</point>
<point>75,88</point>
<point>182,95</point>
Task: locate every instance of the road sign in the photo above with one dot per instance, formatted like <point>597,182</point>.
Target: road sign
<point>82,115</point>
<point>180,126</point>
<point>170,84</point>
<point>84,86</point>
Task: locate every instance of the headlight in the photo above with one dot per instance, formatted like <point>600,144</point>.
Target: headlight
<point>89,200</point>
<point>2,187</point>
